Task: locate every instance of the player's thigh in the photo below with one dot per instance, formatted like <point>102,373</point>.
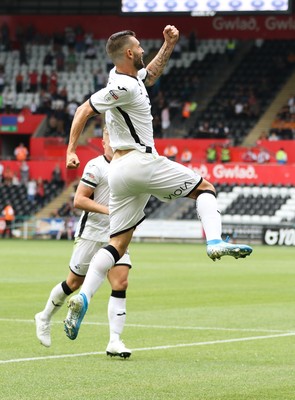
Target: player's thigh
<point>82,254</point>
<point>130,174</point>
<point>172,180</point>
<point>127,211</point>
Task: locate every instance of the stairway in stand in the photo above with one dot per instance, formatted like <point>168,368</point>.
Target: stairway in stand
<point>56,203</point>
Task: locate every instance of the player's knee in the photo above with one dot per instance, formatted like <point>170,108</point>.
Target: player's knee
<point>204,187</point>
<point>207,187</point>
<point>119,284</point>
<point>74,283</point>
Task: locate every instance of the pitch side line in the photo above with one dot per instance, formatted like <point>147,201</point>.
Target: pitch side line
<point>246,339</point>
<point>197,328</point>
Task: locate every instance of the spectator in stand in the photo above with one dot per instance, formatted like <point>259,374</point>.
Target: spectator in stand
<point>60,60</point>
<point>1,173</point>
<point>204,129</point>
<point>250,156</point>
<point>53,82</point>
<point>2,78</point>
<point>71,109</point>
<point>32,190</point>
<point>56,176</point>
<point>15,179</point>
<point>33,81</point>
<point>21,152</point>
<point>5,36</point>
<point>97,131</point>
<point>273,136</point>
<point>291,104</point>
<point>63,95</point>
<point>1,103</point>
<point>19,82</point>
<point>23,59</point>
<point>263,156</point>
<point>165,119</point>
<point>231,49</point>
<point>80,45</point>
<point>40,193</point>
<point>100,79</point>
<point>8,213</point>
<point>211,154</point>
<point>186,156</point>
<point>221,130</point>
<point>48,59</point>
<point>88,39</point>
<point>281,156</point>
<point>67,228</point>
<point>225,154</point>
<point>90,53</point>
<point>71,61</point>
<point>7,176</point>
<point>70,37</point>
<point>171,152</point>
<point>9,101</point>
<point>44,81</point>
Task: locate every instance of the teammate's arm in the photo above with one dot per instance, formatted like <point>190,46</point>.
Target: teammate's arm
<point>83,201</point>
<point>82,114</point>
<point>156,66</point>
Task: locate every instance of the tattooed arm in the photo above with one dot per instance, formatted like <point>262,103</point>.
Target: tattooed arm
<point>157,65</point>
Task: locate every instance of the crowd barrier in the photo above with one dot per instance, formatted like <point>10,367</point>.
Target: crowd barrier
<point>155,230</point>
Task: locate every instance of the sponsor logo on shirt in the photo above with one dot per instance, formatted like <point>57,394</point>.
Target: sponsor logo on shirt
<point>89,175</point>
<point>110,96</point>
<point>113,94</point>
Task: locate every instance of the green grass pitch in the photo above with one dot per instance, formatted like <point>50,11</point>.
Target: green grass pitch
<point>198,329</point>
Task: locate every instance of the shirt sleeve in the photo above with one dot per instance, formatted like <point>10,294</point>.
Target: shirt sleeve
<point>110,97</point>
<point>142,74</point>
<point>91,175</point>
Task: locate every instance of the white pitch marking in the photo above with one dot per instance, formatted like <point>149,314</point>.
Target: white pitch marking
<point>197,328</point>
<point>174,346</point>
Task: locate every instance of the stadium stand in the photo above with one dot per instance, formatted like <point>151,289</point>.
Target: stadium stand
<point>249,90</point>
<point>271,204</point>
<point>24,208</point>
<point>232,95</point>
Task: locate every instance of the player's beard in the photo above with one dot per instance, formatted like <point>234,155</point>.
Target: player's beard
<point>138,62</point>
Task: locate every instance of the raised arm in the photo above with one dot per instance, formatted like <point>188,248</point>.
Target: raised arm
<point>156,66</point>
<point>83,113</point>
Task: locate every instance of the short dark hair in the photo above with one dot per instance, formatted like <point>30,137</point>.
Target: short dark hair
<point>116,43</point>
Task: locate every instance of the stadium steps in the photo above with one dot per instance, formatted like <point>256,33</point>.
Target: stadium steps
<point>88,133</point>
<point>264,123</point>
<point>171,210</point>
<point>57,202</point>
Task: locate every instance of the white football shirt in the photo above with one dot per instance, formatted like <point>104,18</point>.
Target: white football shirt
<point>127,109</point>
<point>95,226</point>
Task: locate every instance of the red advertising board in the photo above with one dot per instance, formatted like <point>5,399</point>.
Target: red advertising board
<point>246,174</point>
<point>243,27</point>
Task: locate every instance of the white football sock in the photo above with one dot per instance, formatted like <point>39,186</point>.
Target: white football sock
<point>209,216</point>
<point>56,299</point>
<point>117,316</point>
<point>98,268</point>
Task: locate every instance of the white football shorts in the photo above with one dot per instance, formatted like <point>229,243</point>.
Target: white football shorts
<point>83,252</point>
<point>134,177</point>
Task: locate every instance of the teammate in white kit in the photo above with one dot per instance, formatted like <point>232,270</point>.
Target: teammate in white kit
<point>137,171</point>
<point>91,234</point>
